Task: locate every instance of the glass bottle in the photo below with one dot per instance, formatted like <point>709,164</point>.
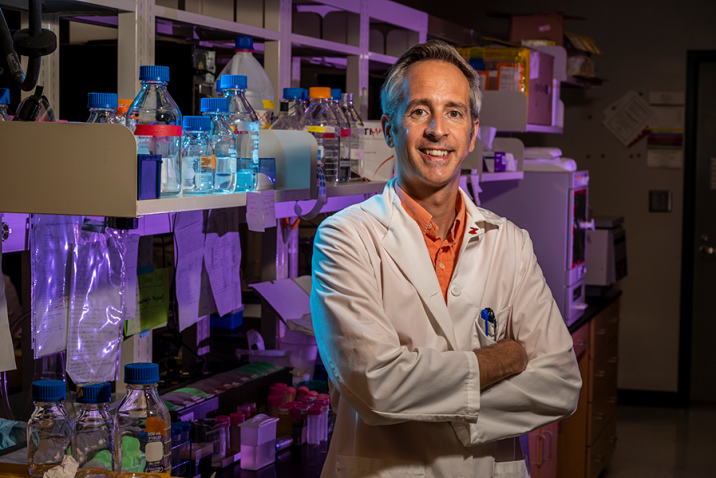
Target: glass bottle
<point>49,432</point>
<point>102,107</point>
<point>344,162</point>
<point>357,136</point>
<point>4,103</point>
<point>223,142</point>
<point>142,425</point>
<point>245,123</point>
<point>155,120</point>
<point>197,157</point>
<point>294,98</point>
<point>121,112</point>
<point>321,122</point>
<point>285,120</point>
<point>93,432</point>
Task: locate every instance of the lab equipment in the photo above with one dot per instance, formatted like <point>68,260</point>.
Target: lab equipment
<point>223,142</point>
<point>243,120</point>
<point>344,146</point>
<point>607,258</point>
<point>314,435</point>
<point>223,421</point>
<point>142,426</point>
<point>49,432</point>
<point>4,103</point>
<point>324,407</point>
<point>321,122</point>
<point>93,432</point>
<point>258,442</point>
<point>214,431</point>
<point>357,138</point>
<point>102,107</point>
<point>156,121</point>
<point>285,420</point>
<point>260,93</point>
<point>235,431</point>
<point>197,158</point>
<point>286,120</point>
<point>121,112</point>
<point>294,98</point>
<point>273,402</point>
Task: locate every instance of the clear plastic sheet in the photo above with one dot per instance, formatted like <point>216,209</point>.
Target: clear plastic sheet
<point>98,286</point>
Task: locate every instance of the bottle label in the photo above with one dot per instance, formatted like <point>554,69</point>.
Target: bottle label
<point>321,129</point>
<point>208,162</point>
<point>345,133</point>
<point>268,104</point>
<point>157,130</point>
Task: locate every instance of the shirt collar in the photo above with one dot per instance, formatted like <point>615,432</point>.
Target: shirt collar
<point>425,219</point>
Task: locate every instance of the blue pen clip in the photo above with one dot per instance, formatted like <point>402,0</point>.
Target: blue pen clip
<point>488,316</point>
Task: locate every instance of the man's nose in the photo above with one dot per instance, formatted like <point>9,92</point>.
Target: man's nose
<point>436,128</point>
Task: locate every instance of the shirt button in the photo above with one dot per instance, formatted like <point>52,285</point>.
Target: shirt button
<point>441,266</point>
<point>430,226</point>
<point>455,291</point>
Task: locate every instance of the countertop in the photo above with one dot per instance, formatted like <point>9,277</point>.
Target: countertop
<point>595,306</point>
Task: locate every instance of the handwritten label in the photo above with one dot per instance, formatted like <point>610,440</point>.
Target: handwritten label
<point>260,210</point>
<point>208,162</point>
<point>153,298</point>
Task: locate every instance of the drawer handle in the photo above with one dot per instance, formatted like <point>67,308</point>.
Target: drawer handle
<point>581,343</point>
<point>613,360</point>
<point>599,458</point>
<point>600,374</point>
<point>551,444</point>
<point>612,400</point>
<point>602,332</point>
<point>544,442</point>
<point>614,320</point>
<point>612,440</point>
<point>600,416</point>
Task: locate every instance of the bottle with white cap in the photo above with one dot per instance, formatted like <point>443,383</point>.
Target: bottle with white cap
<point>93,432</point>
<point>4,103</point>
<point>49,432</point>
<point>102,107</point>
<point>142,425</point>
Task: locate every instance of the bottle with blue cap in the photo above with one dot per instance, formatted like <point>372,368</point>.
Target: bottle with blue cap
<point>49,431</point>
<point>259,92</point>
<point>155,120</point>
<point>243,120</point>
<point>142,425</point>
<point>197,156</point>
<point>102,107</point>
<point>294,98</point>
<point>4,103</point>
<point>357,136</point>
<point>344,161</point>
<point>285,120</point>
<point>223,141</point>
<point>93,432</point>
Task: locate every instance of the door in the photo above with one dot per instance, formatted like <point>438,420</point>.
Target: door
<point>697,375</point>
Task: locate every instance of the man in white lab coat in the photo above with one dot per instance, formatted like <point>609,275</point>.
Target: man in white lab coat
<point>421,385</point>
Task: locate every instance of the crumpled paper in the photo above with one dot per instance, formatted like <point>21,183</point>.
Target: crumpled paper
<point>67,469</point>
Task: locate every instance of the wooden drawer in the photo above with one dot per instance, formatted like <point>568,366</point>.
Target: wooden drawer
<point>601,411</point>
<point>599,454</point>
<point>604,329</point>
<point>603,369</point>
<point>581,340</point>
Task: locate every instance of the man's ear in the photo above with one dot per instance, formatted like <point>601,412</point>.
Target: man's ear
<point>387,130</point>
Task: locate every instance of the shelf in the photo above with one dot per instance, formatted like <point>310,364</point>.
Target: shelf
<point>538,128</point>
<point>507,112</point>
<point>89,7</point>
<point>173,14</point>
<point>317,46</point>
<point>381,58</point>
<point>502,176</point>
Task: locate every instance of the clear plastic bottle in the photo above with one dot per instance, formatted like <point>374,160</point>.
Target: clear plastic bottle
<point>260,92</point>
<point>285,120</point>
<point>121,112</point>
<point>142,425</point>
<point>4,103</point>
<point>197,157</point>
<point>294,98</point>
<point>344,163</point>
<point>245,123</point>
<point>155,119</point>
<point>93,432</point>
<point>102,107</point>
<point>322,123</point>
<point>223,141</point>
<point>49,430</point>
<point>357,136</point>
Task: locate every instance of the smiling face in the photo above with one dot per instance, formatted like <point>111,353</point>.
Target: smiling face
<point>433,134</point>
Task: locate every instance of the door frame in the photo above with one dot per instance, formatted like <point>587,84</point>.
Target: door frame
<point>694,59</point>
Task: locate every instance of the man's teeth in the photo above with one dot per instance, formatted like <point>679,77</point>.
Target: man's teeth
<point>436,152</point>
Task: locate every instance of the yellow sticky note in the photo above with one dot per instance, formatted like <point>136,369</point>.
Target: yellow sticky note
<point>153,298</point>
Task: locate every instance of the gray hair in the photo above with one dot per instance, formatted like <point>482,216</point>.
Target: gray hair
<point>392,94</point>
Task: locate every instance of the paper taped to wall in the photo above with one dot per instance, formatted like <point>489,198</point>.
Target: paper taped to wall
<point>628,118</point>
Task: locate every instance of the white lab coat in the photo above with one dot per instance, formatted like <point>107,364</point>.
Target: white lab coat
<point>405,383</point>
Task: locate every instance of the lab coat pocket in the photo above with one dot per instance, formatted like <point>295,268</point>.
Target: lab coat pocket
<point>480,339</point>
<point>511,469</point>
<point>357,467</point>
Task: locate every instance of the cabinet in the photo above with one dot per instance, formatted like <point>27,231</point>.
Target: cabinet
<point>543,451</point>
<point>587,439</point>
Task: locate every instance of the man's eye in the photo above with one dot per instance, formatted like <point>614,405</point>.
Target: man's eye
<point>455,114</point>
<point>419,112</point>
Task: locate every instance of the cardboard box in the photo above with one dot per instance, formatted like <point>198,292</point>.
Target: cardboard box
<point>379,162</point>
<point>540,26</point>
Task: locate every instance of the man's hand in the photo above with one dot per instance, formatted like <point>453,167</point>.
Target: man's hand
<point>502,360</point>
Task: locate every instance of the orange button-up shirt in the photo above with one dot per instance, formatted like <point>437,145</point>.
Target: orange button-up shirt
<point>443,254</point>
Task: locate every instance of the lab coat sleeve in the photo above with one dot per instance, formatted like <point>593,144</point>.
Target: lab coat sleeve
<point>382,380</point>
<point>548,389</point>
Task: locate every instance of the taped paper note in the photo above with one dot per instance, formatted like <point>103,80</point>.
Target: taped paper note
<point>260,210</point>
<point>627,118</point>
<point>222,258</point>
<point>189,251</point>
<point>7,352</point>
<point>153,299</point>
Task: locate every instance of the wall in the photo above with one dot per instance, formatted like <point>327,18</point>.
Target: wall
<point>645,45</point>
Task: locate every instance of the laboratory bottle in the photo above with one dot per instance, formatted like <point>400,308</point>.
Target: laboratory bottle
<point>155,120</point>
<point>93,432</point>
<point>314,435</point>
<point>321,122</point>
<point>49,430</point>
<point>243,120</point>
<point>344,165</point>
<point>294,98</point>
<point>357,136</point>
<point>102,107</point>
<point>142,426</point>
<point>4,103</point>
<point>121,112</point>
<point>260,92</point>
<point>197,157</point>
<point>235,431</point>
<point>285,120</point>
<point>223,142</point>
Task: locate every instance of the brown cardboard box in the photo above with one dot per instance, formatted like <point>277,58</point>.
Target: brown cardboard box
<point>540,26</point>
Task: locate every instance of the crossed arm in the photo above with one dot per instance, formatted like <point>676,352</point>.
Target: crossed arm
<point>503,360</point>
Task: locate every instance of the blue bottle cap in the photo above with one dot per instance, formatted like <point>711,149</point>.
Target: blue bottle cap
<point>48,391</point>
<point>185,426</point>
<point>143,373</point>
<point>153,73</point>
<point>336,93</point>
<point>215,104</point>
<point>305,94</point>
<point>4,96</point>
<point>244,44</point>
<point>94,393</point>
<point>102,100</point>
<point>232,81</point>
<point>293,93</point>
<point>194,123</point>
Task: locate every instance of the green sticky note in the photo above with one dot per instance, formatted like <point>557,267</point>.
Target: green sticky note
<point>153,299</point>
